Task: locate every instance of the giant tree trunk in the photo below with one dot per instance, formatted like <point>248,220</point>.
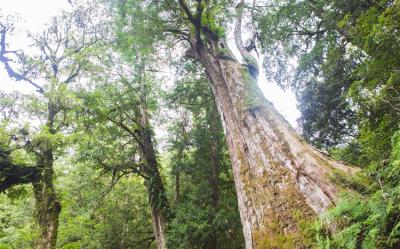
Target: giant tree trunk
<point>47,203</point>
<point>279,178</point>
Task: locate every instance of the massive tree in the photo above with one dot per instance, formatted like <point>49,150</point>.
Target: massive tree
<point>279,178</point>
<point>62,50</point>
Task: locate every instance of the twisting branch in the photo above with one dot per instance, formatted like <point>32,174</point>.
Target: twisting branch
<point>195,20</point>
<point>11,174</point>
<point>125,128</point>
<point>6,62</point>
<point>247,57</point>
<point>187,11</point>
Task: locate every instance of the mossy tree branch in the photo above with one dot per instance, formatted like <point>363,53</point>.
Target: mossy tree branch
<point>12,174</point>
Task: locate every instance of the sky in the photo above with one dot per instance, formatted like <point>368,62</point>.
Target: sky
<point>35,14</point>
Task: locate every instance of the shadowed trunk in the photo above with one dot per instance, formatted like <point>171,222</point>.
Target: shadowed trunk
<point>48,206</point>
<point>182,145</point>
<point>47,203</point>
<point>12,174</point>
<point>214,171</point>
<point>178,175</point>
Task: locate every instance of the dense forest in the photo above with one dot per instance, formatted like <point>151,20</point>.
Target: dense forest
<point>146,126</point>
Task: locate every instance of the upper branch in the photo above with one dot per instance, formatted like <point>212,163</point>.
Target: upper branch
<point>247,57</point>
<point>6,61</point>
<point>194,19</point>
<point>187,11</point>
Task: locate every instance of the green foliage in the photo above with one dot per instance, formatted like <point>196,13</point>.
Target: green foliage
<point>344,56</point>
<point>369,220</point>
<point>341,57</point>
<point>207,211</point>
<point>96,216</point>
<point>17,229</point>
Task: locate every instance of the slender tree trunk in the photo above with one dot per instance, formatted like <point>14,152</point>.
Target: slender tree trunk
<point>181,149</point>
<point>47,203</point>
<point>178,175</point>
<point>212,242</point>
<point>159,225</point>
<point>157,197</point>
<point>215,164</point>
<point>279,178</point>
<point>155,187</point>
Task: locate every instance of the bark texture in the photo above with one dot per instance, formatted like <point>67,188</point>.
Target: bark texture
<point>48,205</point>
<point>280,180</point>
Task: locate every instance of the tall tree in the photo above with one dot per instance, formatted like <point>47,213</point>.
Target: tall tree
<point>120,110</point>
<point>278,176</point>
<point>61,57</point>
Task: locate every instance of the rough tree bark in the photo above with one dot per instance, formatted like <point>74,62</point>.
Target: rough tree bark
<point>48,205</point>
<point>279,178</point>
<point>47,202</point>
